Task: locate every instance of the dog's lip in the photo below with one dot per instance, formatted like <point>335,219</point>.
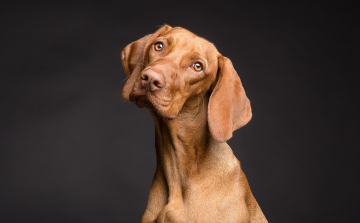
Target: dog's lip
<point>156,100</point>
<point>141,101</point>
<point>148,99</point>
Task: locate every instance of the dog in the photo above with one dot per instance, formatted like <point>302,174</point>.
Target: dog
<point>197,100</point>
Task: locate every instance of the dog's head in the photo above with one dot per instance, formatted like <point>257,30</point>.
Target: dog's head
<point>173,66</point>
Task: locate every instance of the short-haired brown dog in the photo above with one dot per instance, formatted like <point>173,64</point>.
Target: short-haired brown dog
<point>197,100</point>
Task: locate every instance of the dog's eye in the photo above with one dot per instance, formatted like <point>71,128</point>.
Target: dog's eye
<point>197,66</point>
<point>158,46</point>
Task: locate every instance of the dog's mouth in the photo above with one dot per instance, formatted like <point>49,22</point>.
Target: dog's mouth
<point>152,102</point>
<point>141,101</point>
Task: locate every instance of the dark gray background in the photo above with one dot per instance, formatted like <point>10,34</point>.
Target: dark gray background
<point>71,150</point>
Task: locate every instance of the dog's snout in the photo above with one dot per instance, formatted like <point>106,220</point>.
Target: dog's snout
<point>152,81</point>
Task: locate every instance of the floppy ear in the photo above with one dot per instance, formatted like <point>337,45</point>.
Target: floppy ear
<point>229,108</point>
<point>133,59</point>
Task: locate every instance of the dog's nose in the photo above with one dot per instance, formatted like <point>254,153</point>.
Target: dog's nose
<point>152,81</point>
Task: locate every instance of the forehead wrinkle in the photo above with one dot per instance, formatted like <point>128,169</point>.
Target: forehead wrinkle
<point>162,38</point>
<point>193,57</point>
<point>169,39</point>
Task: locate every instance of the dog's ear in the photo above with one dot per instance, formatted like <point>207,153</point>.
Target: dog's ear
<point>229,108</point>
<point>133,59</point>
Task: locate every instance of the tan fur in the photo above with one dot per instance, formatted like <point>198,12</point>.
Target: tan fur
<point>198,178</point>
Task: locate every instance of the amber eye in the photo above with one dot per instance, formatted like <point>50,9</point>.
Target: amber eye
<point>158,46</point>
<point>197,66</point>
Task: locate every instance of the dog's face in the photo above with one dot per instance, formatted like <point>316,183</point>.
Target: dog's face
<point>178,65</point>
<point>170,69</point>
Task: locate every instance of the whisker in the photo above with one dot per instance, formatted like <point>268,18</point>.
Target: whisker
<point>124,79</point>
<point>138,63</point>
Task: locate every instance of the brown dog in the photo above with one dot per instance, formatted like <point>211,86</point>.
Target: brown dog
<point>197,100</point>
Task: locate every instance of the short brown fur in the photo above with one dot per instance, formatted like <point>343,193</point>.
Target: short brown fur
<point>198,178</point>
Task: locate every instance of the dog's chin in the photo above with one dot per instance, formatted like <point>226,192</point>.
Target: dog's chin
<point>142,101</point>
<point>164,113</point>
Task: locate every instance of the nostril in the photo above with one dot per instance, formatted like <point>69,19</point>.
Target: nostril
<point>144,77</point>
<point>156,83</point>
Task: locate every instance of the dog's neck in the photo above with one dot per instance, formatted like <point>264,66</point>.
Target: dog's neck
<point>182,143</point>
